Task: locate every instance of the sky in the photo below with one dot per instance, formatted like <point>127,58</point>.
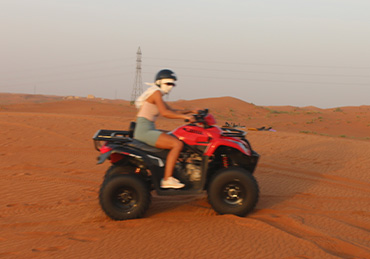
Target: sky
<point>265,52</point>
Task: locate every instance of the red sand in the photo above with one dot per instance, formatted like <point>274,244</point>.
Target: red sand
<point>313,175</point>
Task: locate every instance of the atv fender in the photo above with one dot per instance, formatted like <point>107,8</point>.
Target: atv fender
<point>229,143</point>
<point>149,160</point>
<point>104,157</point>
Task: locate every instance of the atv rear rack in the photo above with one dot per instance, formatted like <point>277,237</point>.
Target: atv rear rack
<point>228,132</point>
<point>113,136</point>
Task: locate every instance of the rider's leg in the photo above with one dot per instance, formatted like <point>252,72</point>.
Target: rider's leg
<point>166,141</point>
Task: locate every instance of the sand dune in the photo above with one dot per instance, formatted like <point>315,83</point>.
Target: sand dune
<point>313,175</point>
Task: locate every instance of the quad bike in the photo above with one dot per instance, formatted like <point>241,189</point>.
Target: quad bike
<point>215,159</point>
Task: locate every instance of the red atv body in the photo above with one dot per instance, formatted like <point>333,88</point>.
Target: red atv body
<point>218,160</point>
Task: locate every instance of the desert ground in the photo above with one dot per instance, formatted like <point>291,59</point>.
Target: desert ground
<point>313,176</point>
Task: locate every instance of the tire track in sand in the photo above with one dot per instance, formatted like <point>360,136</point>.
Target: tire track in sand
<point>305,174</point>
<point>38,129</point>
<point>328,243</point>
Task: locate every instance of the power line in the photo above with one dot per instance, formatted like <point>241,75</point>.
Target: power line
<point>256,64</point>
<point>39,82</point>
<point>65,80</point>
<point>192,68</point>
<point>70,65</point>
<point>279,81</point>
<point>271,73</point>
<point>60,73</point>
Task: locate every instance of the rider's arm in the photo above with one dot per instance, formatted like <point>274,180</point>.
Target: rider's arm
<point>195,111</point>
<point>156,98</point>
<point>184,111</point>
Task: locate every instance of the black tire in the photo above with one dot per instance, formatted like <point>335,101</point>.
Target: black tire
<point>114,170</point>
<point>124,197</point>
<point>233,191</point>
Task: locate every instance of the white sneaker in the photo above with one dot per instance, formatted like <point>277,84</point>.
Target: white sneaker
<point>173,178</point>
<point>171,183</point>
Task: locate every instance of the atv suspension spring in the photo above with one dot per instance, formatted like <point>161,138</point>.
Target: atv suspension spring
<point>225,161</point>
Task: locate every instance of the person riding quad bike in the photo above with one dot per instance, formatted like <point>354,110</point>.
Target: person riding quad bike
<point>196,157</point>
<point>150,105</point>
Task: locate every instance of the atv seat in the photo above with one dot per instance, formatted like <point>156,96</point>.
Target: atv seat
<point>143,146</point>
<point>147,148</point>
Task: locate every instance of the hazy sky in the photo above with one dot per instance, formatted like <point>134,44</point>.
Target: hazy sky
<point>267,52</point>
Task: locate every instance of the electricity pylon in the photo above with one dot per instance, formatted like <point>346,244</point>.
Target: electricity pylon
<point>138,84</point>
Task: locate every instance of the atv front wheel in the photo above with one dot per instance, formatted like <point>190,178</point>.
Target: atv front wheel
<point>124,197</point>
<point>233,191</point>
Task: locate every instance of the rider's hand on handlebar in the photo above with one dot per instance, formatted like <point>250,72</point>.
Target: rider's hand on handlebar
<point>195,111</point>
<point>190,118</point>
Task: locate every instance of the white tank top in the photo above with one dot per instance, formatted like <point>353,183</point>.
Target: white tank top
<point>149,111</point>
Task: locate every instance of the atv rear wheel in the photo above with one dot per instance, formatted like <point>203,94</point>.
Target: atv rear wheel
<point>233,191</point>
<point>115,169</point>
<point>124,197</point>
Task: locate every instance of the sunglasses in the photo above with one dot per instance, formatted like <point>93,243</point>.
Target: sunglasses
<point>172,84</point>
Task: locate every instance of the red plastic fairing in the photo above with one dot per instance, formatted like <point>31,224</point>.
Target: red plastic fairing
<point>229,143</point>
<point>210,137</point>
<point>210,120</point>
<point>115,157</point>
<point>193,135</point>
<point>105,149</point>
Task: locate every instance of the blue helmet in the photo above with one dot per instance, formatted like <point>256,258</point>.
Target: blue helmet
<point>165,74</point>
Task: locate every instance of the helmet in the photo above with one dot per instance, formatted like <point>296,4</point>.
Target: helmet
<point>165,74</point>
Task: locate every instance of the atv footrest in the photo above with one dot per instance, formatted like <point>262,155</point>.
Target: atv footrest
<point>173,192</point>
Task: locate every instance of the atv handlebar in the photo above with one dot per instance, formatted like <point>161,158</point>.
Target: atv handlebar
<point>202,118</point>
<point>199,117</point>
<point>227,132</point>
<point>201,114</point>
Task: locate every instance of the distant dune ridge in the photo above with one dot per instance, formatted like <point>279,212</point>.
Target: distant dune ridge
<point>313,176</point>
<point>345,122</point>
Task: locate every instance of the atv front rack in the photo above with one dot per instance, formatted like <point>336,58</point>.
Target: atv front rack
<point>228,132</point>
<point>113,136</point>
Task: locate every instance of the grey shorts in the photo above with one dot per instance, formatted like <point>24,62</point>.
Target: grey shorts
<point>146,132</point>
